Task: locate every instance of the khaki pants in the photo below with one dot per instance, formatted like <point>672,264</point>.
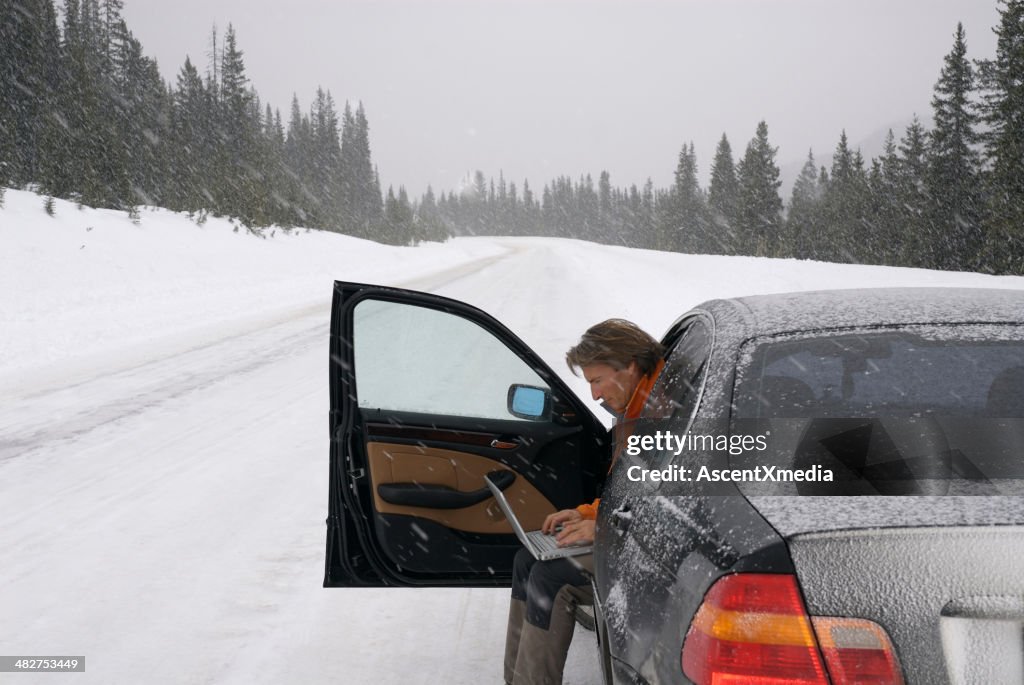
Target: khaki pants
<point>541,616</point>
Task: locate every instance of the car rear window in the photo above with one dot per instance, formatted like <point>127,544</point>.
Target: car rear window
<point>920,410</point>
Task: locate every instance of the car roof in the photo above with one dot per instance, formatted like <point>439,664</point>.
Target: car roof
<point>758,315</point>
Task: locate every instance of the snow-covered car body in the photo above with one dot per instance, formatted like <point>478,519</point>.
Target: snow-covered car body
<point>930,553</point>
<point>901,564</point>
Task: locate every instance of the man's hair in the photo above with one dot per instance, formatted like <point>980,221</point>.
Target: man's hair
<point>615,342</point>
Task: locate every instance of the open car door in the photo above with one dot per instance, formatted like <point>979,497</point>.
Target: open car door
<point>429,395</point>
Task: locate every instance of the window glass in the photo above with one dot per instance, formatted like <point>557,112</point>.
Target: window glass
<point>915,410</point>
<point>885,373</point>
<point>677,391</point>
<point>417,359</point>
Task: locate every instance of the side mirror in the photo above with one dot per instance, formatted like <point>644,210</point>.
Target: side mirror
<point>529,402</point>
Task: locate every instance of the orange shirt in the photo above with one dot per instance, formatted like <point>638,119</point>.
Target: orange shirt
<point>633,409</point>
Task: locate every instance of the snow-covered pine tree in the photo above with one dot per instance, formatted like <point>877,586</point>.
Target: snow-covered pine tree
<point>845,227</point>
<point>886,215</point>
<point>1002,113</point>
<point>804,218</point>
<point>189,154</point>
<point>953,164</point>
<point>723,198</point>
<point>685,221</point>
<point>29,73</point>
<point>760,208</point>
<point>236,182</point>
<point>912,198</point>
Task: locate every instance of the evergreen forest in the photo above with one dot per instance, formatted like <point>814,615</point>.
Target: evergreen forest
<point>86,116</point>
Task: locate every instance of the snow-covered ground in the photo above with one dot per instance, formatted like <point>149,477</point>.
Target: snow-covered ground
<point>163,436</point>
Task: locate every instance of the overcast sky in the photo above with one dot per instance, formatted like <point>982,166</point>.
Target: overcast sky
<point>538,89</point>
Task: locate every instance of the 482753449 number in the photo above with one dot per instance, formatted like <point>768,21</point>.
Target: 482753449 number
<point>37,664</point>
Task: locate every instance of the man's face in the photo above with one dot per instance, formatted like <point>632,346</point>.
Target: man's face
<point>614,386</point>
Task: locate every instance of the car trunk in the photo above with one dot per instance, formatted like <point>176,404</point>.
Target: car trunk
<point>942,576</point>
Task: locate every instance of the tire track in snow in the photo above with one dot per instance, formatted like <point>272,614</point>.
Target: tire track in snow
<point>67,414</point>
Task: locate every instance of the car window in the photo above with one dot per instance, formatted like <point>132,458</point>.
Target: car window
<point>896,411</point>
<point>890,373</point>
<point>677,390</point>
<point>417,359</point>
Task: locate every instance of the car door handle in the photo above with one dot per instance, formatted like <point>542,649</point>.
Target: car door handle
<point>622,518</point>
<point>441,496</point>
<point>500,444</point>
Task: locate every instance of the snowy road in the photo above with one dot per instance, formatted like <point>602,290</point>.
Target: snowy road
<point>165,520</point>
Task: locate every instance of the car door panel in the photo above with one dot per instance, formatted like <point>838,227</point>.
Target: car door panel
<point>443,463</point>
<point>420,415</point>
<point>426,470</point>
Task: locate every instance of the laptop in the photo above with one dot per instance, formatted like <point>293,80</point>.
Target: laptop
<point>541,545</point>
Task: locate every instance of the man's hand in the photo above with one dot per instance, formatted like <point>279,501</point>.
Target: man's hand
<point>579,532</point>
<point>559,518</point>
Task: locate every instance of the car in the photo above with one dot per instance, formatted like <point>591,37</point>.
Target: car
<point>825,487</point>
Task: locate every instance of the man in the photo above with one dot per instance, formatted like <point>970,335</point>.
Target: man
<point>620,362</point>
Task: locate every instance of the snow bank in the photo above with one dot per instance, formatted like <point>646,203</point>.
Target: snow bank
<point>92,282</point>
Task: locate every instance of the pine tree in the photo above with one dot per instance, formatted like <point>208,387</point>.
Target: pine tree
<point>803,220</point>
<point>29,85</point>
<point>530,222</point>
<point>606,213</point>
<point>646,217</point>
<point>723,197</point>
<point>1002,113</point>
<point>52,177</point>
<point>397,222</point>
<point>886,213</point>
<point>280,209</point>
<point>104,36</point>
<point>111,31</point>
<point>685,222</point>
<point>846,227</point>
<point>865,244</point>
<point>952,176</point>
<point>9,32</point>
<point>913,199</point>
<point>359,190</point>
<point>513,218</point>
<point>91,152</point>
<point>143,115</point>
<point>429,223</point>
<point>298,150</point>
<point>238,165</point>
<point>326,177</point>
<point>189,153</point>
<point>760,208</point>
<point>588,211</point>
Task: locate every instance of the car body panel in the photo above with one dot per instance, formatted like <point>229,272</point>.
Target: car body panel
<point>949,598</point>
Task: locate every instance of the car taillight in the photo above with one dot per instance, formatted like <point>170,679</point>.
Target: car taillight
<point>753,629</point>
<point>857,652</point>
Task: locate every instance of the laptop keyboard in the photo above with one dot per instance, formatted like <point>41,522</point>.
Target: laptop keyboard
<point>544,543</point>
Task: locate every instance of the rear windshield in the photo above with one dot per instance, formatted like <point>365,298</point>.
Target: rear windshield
<point>887,411</point>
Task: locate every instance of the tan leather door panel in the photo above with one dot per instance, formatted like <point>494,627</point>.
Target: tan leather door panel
<point>396,463</point>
